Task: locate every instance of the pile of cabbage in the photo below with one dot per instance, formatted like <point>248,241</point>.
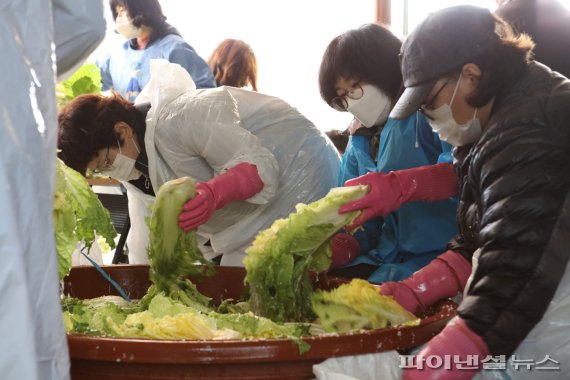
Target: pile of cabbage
<point>278,269</point>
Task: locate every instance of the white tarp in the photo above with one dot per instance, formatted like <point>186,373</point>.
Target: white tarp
<point>33,342</point>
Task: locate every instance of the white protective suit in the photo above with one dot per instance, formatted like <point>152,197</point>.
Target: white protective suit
<point>32,339</point>
<point>202,133</point>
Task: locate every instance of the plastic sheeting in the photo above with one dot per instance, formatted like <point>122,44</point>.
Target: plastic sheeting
<point>380,366</point>
<point>202,133</point>
<point>33,343</point>
<point>547,341</point>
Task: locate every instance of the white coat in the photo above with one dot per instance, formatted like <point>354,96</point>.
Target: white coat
<point>202,133</point>
<point>32,338</point>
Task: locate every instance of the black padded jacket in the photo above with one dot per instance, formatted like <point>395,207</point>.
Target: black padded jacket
<point>513,187</point>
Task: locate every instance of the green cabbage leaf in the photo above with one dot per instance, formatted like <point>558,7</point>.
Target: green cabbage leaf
<point>280,259</point>
<point>173,253</point>
<point>78,216</point>
<point>358,305</point>
<point>86,80</point>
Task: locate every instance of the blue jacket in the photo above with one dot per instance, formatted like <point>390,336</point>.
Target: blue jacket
<point>415,234</point>
<point>127,70</point>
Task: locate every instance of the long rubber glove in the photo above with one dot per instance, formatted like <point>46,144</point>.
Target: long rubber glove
<point>455,339</point>
<point>236,184</point>
<point>345,248</point>
<point>443,277</point>
<point>388,191</point>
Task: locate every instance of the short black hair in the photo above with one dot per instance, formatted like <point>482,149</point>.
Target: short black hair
<point>368,53</point>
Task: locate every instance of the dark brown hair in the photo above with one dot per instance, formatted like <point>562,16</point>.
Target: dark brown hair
<point>86,125</point>
<point>233,63</point>
<point>339,139</point>
<point>142,12</point>
<point>500,64</point>
<point>369,53</point>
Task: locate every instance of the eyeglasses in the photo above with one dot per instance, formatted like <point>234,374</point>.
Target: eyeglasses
<point>340,103</point>
<point>424,107</point>
<point>120,9</point>
<point>105,166</point>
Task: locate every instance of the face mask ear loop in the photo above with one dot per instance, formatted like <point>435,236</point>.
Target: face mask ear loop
<point>417,123</point>
<point>136,145</point>
<point>475,114</point>
<point>119,145</point>
<point>455,91</point>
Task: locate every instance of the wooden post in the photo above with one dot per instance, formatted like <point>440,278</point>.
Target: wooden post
<point>383,14</point>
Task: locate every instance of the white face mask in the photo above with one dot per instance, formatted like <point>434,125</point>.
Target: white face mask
<point>372,108</point>
<point>449,130</point>
<point>123,167</point>
<point>125,27</point>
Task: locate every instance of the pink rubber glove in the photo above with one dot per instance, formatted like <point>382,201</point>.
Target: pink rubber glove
<point>236,184</point>
<point>388,191</point>
<point>345,248</point>
<point>443,277</point>
<point>455,339</point>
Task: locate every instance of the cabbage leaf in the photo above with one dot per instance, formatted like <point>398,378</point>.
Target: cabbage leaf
<point>280,259</point>
<point>78,216</point>
<point>173,253</point>
<point>86,80</point>
<point>358,305</point>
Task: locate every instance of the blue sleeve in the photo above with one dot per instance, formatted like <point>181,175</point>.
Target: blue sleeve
<point>418,231</point>
<point>106,79</point>
<point>430,141</point>
<point>431,146</point>
<point>369,235</point>
<point>446,155</point>
<point>198,69</point>
<point>356,160</point>
<point>441,150</point>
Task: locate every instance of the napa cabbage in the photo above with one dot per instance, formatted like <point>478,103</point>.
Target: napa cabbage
<point>86,80</point>
<point>78,216</point>
<point>174,254</point>
<point>280,259</point>
<point>358,305</point>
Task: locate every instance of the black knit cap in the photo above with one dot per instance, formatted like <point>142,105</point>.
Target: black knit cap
<point>445,40</point>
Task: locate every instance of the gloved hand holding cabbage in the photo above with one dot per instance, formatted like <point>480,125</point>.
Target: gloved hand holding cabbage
<point>238,183</point>
<point>388,191</point>
<point>278,273</point>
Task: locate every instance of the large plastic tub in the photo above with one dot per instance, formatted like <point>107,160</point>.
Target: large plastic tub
<point>111,358</point>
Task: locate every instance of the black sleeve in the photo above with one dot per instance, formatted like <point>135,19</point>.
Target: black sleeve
<point>465,242</point>
<point>522,177</point>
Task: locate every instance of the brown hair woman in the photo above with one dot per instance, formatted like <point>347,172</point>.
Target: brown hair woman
<point>233,63</point>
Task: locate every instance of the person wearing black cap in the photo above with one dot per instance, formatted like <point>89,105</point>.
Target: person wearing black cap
<point>509,120</point>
